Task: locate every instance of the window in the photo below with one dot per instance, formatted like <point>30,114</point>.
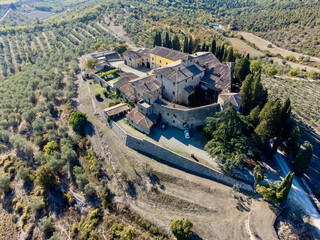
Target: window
<point>174,115</point>
<point>173,121</point>
<point>168,114</point>
<point>192,77</point>
<point>186,80</point>
<point>173,93</point>
<point>160,61</point>
<point>174,84</point>
<point>152,58</point>
<point>166,63</point>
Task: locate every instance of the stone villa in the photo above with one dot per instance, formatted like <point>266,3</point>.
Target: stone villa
<point>164,95</point>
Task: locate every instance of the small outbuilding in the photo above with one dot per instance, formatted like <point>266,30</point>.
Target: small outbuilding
<point>117,110</point>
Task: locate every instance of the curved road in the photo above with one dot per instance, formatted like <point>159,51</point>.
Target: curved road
<point>298,194</point>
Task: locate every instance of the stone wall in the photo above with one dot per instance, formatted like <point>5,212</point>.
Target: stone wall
<point>185,118</point>
<point>150,148</point>
<point>99,80</point>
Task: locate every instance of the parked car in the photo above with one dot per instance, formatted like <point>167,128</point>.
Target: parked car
<point>186,134</point>
<point>163,126</point>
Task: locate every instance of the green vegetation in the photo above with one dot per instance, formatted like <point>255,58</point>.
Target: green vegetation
<point>302,161</point>
<point>181,228</point>
<point>276,194</point>
<point>228,139</point>
<point>78,121</point>
<point>258,174</point>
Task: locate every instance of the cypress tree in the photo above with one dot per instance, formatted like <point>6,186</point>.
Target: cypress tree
<point>287,128</point>
<point>197,48</point>
<point>245,92</point>
<point>254,116</point>
<point>258,175</point>
<point>242,69</point>
<point>167,42</point>
<point>225,55</point>
<point>176,43</point>
<point>218,52</point>
<point>213,46</point>
<point>284,188</point>
<point>159,39</point>
<point>259,94</point>
<point>275,146</point>
<point>203,47</point>
<point>155,40</point>
<point>286,110</point>
<point>230,57</point>
<point>293,143</point>
<point>190,45</point>
<point>221,53</point>
<point>185,44</point>
<point>271,113</point>
<point>302,161</point>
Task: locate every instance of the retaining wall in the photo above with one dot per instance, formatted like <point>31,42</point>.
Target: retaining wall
<point>148,147</point>
<point>99,80</point>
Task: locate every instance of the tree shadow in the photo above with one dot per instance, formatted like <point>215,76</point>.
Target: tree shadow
<point>131,189</point>
<point>89,129</point>
<point>195,236</point>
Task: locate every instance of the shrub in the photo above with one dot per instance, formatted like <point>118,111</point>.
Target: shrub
<point>36,203</point>
<point>45,176</point>
<point>89,190</point>
<point>293,72</point>
<point>78,121</point>
<point>271,70</point>
<point>50,148</point>
<point>46,225</point>
<point>4,184</point>
<point>181,228</point>
<point>24,174</point>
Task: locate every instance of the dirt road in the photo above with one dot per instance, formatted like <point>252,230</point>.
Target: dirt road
<point>263,45</point>
<point>245,48</point>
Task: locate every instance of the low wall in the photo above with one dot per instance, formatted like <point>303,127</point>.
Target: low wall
<point>99,80</point>
<point>150,148</point>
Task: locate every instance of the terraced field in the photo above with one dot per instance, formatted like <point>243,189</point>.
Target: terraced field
<point>304,96</point>
<point>20,48</point>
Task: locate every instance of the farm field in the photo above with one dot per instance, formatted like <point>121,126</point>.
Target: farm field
<point>7,1</point>
<point>20,48</point>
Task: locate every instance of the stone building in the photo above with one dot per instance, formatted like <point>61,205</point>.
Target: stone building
<point>162,56</point>
<point>165,95</point>
<point>179,79</point>
<point>138,58</point>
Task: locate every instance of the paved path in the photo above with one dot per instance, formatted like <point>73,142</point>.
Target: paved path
<point>262,214</point>
<point>298,194</point>
<point>128,69</point>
